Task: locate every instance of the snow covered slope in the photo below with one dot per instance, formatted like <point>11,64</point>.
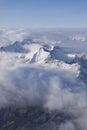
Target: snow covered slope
<point>38,72</point>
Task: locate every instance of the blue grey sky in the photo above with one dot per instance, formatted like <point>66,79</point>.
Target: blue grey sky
<point>43,13</point>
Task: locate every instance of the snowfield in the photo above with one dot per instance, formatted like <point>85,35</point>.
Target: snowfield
<point>38,70</point>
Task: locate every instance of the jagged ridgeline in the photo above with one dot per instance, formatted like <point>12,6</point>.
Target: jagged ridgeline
<point>43,80</point>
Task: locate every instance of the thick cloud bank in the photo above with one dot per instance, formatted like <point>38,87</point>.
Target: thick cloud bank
<point>52,89</point>
<point>31,75</point>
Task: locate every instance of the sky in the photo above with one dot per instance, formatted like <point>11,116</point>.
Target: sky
<point>43,13</point>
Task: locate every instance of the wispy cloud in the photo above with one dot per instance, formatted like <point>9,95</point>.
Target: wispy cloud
<point>50,88</point>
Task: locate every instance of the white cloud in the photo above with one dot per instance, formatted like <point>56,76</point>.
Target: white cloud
<point>29,85</point>
<point>50,87</point>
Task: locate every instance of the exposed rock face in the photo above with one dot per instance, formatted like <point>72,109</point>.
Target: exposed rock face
<point>46,83</point>
<point>83,68</point>
<point>31,118</point>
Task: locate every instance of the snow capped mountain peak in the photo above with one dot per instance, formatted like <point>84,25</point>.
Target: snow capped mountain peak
<point>79,38</point>
<point>49,80</point>
<point>40,56</point>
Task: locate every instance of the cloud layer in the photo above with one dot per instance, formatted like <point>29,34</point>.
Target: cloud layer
<point>52,89</point>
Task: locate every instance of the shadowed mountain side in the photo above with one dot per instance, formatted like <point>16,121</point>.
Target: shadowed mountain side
<point>31,118</point>
<point>15,47</point>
